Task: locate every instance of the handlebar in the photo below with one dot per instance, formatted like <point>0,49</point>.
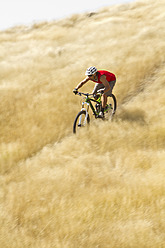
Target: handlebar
<point>87,94</point>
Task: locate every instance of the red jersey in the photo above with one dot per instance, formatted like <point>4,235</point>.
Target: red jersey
<point>109,76</point>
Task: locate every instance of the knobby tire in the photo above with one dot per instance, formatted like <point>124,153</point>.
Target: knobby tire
<point>115,103</point>
<point>75,125</point>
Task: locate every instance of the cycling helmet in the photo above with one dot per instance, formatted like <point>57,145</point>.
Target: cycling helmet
<point>91,70</point>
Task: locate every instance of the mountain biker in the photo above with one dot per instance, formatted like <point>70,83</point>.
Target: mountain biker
<point>105,81</point>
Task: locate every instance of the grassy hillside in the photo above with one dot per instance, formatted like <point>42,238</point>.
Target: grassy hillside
<point>102,188</point>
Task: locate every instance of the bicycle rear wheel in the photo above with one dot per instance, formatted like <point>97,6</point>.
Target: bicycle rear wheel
<point>111,107</point>
<point>82,120</point>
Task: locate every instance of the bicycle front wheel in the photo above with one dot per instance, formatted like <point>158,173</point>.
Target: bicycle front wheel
<point>82,120</point>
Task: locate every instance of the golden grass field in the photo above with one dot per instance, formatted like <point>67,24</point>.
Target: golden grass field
<point>102,188</point>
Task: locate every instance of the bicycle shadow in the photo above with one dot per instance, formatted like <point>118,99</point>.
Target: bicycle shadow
<point>132,115</point>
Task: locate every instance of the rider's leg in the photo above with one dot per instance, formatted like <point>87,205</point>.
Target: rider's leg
<point>111,84</point>
<point>104,96</point>
<point>104,100</point>
<point>97,87</point>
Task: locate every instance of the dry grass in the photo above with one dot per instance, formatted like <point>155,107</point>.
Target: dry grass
<point>102,188</point>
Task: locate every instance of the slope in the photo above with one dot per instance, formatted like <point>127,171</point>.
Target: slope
<point>104,187</point>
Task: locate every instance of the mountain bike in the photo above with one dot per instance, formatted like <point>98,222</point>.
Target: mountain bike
<point>83,119</point>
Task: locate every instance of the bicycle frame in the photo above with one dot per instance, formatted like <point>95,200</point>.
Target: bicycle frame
<point>89,101</point>
<point>83,118</point>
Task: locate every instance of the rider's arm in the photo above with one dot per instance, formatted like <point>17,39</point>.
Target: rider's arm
<point>82,83</point>
<point>105,83</point>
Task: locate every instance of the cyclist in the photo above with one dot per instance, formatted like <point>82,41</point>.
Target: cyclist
<point>105,81</point>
